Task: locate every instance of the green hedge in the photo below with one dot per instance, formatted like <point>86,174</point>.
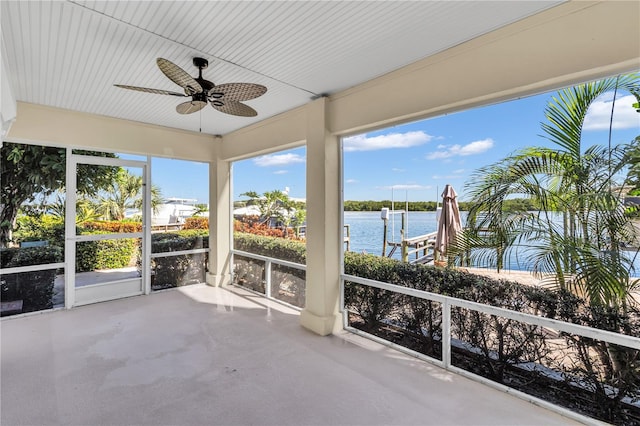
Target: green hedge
<point>35,289</point>
<point>176,271</point>
<point>288,284</point>
<point>176,241</point>
<point>494,346</point>
<point>105,254</point>
<point>457,283</point>
<point>40,228</point>
<point>90,255</point>
<point>280,248</point>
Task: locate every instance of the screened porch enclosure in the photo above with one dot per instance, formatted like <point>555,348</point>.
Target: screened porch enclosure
<point>90,232</point>
<point>200,352</point>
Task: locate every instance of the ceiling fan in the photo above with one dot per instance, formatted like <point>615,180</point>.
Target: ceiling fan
<point>225,98</point>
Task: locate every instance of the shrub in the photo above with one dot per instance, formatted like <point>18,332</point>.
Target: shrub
<point>14,257</point>
<point>288,283</point>
<point>372,304</point>
<point>90,255</point>
<point>177,241</point>
<point>249,273</point>
<point>35,289</point>
<point>252,225</point>
<point>176,271</point>
<point>494,346</point>
<point>280,248</point>
<point>196,223</point>
<point>42,227</point>
<point>105,254</point>
<point>111,227</point>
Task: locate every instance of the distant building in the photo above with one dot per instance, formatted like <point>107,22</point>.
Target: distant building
<point>174,210</point>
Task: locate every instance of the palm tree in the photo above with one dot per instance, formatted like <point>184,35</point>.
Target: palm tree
<point>277,205</point>
<point>200,208</point>
<point>125,192</point>
<point>580,232</point>
<point>86,210</point>
<point>271,204</point>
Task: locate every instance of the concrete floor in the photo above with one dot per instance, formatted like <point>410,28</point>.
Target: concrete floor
<point>210,356</point>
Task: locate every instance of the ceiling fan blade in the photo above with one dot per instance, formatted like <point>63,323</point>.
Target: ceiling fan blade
<point>234,108</point>
<point>179,76</point>
<point>190,107</point>
<point>237,91</point>
<point>148,90</point>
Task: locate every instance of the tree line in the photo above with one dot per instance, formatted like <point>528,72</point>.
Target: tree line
<point>516,204</point>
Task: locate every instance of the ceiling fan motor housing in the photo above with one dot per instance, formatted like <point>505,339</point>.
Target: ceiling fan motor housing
<point>202,96</point>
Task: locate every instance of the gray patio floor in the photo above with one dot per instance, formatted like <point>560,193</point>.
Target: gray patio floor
<point>216,356</point>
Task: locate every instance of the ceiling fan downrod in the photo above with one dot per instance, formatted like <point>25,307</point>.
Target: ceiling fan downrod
<point>202,64</point>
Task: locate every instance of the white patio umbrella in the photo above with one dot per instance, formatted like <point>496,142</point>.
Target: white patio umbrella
<point>449,224</point>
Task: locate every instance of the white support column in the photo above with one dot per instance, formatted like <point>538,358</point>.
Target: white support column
<point>220,221</point>
<point>7,100</point>
<point>324,235</point>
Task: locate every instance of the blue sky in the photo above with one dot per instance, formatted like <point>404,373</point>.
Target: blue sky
<point>415,159</point>
<point>181,179</point>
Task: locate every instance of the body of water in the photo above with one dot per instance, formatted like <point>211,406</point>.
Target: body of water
<point>367,234</point>
<point>367,229</point>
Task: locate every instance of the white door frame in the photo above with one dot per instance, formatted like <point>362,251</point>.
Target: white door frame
<point>115,289</point>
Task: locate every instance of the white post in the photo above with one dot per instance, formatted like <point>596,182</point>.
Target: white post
<point>146,229</point>
<point>446,333</point>
<point>220,221</point>
<point>70,232</point>
<point>324,231</point>
<point>267,278</point>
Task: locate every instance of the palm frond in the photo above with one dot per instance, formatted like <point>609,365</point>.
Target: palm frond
<point>583,249</point>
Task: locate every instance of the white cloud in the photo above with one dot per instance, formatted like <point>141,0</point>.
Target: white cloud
<point>397,170</point>
<point>599,114</point>
<point>278,160</point>
<point>407,187</point>
<point>443,177</point>
<point>455,174</point>
<point>280,172</point>
<point>392,140</point>
<point>351,181</point>
<point>472,148</point>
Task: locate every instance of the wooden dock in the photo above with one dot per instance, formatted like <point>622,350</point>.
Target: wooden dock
<point>418,249</point>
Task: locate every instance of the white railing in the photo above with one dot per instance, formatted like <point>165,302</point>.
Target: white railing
<point>448,303</point>
<point>178,253</point>
<point>31,268</point>
<point>268,262</point>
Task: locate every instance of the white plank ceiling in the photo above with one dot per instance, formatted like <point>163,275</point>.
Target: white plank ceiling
<point>68,54</point>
